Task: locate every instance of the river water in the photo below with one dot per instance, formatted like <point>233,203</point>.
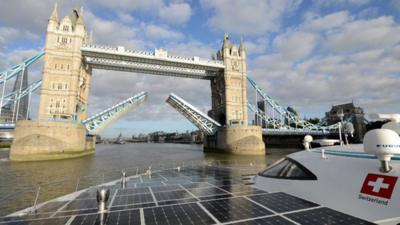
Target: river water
<point>19,181</point>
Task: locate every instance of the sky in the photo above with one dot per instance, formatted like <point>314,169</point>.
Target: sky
<point>308,54</point>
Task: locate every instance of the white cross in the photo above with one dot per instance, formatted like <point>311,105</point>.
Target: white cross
<point>378,184</point>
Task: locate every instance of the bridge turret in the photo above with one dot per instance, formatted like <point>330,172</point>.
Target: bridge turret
<point>229,105</point>
<point>229,88</point>
<point>53,20</point>
<point>65,87</point>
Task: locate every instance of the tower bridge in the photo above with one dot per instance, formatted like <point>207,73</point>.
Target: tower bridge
<point>70,55</point>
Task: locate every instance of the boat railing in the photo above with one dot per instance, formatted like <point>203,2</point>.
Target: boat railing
<point>36,194</point>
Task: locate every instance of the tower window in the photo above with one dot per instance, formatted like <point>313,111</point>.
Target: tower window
<point>65,28</point>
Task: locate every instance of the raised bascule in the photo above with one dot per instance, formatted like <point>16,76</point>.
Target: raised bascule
<point>63,130</point>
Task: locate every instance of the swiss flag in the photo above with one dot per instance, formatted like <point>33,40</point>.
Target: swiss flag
<point>379,185</point>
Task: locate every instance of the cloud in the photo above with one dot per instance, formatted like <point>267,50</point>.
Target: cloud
<point>176,13</point>
<point>172,13</point>
<point>364,34</point>
<point>338,3</point>
<point>9,34</point>
<point>295,45</point>
<point>359,62</point>
<point>250,17</point>
<point>158,32</point>
<point>330,21</point>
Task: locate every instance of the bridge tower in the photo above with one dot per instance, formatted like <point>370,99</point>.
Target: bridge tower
<point>229,105</point>
<point>58,132</point>
<point>65,86</point>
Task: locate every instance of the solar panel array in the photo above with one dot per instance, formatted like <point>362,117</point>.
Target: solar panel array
<point>194,195</point>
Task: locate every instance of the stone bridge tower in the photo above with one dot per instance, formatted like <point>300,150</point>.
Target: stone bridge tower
<point>58,132</point>
<point>65,85</point>
<point>229,105</point>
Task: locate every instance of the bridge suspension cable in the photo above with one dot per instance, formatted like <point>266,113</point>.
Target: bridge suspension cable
<point>290,117</point>
<point>13,71</point>
<point>16,95</point>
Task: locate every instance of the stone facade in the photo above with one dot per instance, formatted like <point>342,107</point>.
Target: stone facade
<point>240,140</point>
<point>65,83</point>
<point>46,140</point>
<point>228,90</point>
<point>229,106</point>
<point>352,114</point>
<point>58,132</point>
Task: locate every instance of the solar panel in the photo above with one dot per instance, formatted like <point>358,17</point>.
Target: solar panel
<point>232,209</point>
<point>172,195</point>
<point>133,199</point>
<point>190,214</point>
<point>282,202</point>
<point>131,191</point>
<point>196,185</point>
<point>135,206</point>
<point>131,217</point>
<point>178,201</point>
<point>273,220</point>
<point>166,188</point>
<point>240,188</point>
<point>209,191</point>
<point>149,184</point>
<point>322,216</point>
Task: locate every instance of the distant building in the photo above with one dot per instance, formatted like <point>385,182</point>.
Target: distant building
<point>352,114</point>
<point>257,120</point>
<point>11,109</point>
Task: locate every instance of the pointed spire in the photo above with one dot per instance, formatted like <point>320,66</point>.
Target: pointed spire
<point>80,17</point>
<point>54,14</point>
<point>226,37</point>
<point>241,46</point>
<point>226,42</point>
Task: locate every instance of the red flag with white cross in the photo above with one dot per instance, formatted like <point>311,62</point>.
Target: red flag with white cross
<point>379,185</point>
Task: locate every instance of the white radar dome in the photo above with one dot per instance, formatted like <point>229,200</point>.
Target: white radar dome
<point>308,138</point>
<point>383,143</point>
<point>392,125</point>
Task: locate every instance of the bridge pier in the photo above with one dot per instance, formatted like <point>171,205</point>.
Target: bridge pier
<point>241,140</point>
<point>48,140</point>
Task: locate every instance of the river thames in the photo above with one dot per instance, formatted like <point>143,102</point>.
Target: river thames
<point>19,181</point>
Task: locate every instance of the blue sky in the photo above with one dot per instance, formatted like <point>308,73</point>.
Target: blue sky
<point>309,54</point>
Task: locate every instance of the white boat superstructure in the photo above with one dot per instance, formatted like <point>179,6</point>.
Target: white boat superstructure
<point>360,180</point>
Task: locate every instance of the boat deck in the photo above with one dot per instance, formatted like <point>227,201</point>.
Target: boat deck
<point>193,195</point>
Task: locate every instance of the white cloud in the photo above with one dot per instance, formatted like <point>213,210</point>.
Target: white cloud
<point>295,45</point>
<point>127,5</point>
<point>176,13</point>
<point>9,34</point>
<point>364,34</point>
<point>328,3</point>
<point>330,21</point>
<point>257,47</point>
<point>157,32</point>
<point>359,62</point>
<point>248,16</point>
